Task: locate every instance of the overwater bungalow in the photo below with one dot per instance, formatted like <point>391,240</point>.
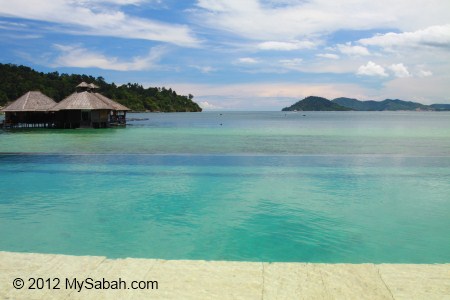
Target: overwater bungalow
<point>117,116</point>
<point>30,110</point>
<point>85,108</point>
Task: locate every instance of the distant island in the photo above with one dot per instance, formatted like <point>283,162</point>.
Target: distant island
<point>18,80</point>
<point>314,103</point>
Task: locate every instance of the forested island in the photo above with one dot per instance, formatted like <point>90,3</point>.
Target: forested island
<point>314,103</point>
<point>17,80</point>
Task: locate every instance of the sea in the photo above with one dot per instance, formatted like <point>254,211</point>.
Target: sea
<point>328,187</point>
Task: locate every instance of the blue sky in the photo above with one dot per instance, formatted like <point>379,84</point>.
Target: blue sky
<point>241,54</point>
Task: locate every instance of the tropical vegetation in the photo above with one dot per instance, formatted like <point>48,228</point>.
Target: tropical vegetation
<point>17,80</point>
<point>313,103</point>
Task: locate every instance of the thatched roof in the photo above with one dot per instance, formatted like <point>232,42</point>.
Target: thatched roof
<point>81,100</point>
<point>117,106</point>
<point>36,101</point>
<point>87,85</point>
<point>83,85</point>
<point>89,101</point>
<point>31,101</point>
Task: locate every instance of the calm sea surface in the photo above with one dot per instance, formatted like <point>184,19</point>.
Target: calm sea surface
<point>253,186</point>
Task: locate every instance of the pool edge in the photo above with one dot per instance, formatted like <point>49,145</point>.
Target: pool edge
<point>196,279</point>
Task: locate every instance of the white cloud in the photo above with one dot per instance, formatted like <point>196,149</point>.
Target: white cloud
<point>372,69</point>
<point>20,36</point>
<point>291,20</point>
<point>247,60</point>
<point>424,51</point>
<point>424,90</point>
<point>294,63</point>
<point>424,73</point>
<point>120,2</point>
<point>434,36</point>
<point>209,106</point>
<point>235,31</point>
<point>12,25</point>
<point>286,46</point>
<point>348,49</point>
<point>204,69</point>
<point>399,70</point>
<point>97,18</point>
<point>328,55</point>
<point>76,56</point>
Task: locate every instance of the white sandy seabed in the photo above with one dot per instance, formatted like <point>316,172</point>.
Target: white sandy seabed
<point>47,276</point>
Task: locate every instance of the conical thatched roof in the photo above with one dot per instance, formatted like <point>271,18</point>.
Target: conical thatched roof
<point>31,101</point>
<point>117,106</point>
<point>89,101</point>
<point>87,85</point>
<point>81,100</point>
<point>83,85</point>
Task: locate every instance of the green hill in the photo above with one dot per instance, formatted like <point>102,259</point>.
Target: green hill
<point>313,103</point>
<point>441,107</point>
<point>17,80</point>
<point>356,104</point>
<point>387,104</point>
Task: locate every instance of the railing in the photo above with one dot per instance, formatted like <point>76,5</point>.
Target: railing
<point>10,124</point>
<point>117,120</point>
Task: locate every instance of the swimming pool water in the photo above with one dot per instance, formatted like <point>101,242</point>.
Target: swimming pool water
<point>325,187</point>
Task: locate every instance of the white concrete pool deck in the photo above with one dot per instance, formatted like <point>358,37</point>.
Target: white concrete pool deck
<point>219,280</point>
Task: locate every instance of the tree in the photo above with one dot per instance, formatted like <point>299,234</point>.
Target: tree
<point>17,80</point>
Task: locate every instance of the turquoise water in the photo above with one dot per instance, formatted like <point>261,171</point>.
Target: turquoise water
<point>314,187</point>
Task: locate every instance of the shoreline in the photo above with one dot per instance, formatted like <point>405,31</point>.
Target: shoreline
<point>198,279</point>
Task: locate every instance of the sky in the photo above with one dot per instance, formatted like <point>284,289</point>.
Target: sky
<point>241,54</point>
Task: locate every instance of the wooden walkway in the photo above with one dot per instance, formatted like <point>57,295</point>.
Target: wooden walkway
<point>162,279</point>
